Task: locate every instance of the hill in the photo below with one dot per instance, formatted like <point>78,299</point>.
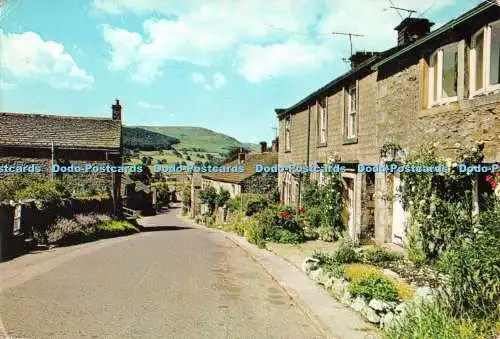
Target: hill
<point>169,145</point>
<point>198,139</point>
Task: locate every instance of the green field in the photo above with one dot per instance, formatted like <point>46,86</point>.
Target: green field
<point>194,144</point>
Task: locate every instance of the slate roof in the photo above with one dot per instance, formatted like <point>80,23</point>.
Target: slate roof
<point>251,160</point>
<point>39,131</point>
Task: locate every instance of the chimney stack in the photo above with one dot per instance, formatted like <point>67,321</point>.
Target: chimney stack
<point>263,147</point>
<point>411,29</point>
<point>117,110</point>
<point>241,156</point>
<point>359,57</point>
<point>275,145</point>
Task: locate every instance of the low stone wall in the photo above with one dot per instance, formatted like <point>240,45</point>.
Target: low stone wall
<point>34,217</point>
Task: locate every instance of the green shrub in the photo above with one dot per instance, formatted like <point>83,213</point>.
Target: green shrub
<point>222,197</point>
<point>289,237</point>
<point>186,197</point>
<point>255,204</point>
<point>429,320</point>
<point>208,195</point>
<point>233,204</point>
<point>378,254</point>
<point>335,271</point>
<point>45,191</point>
<point>314,216</point>
<point>256,234</point>
<point>116,227</point>
<point>374,287</point>
<point>473,266</point>
<point>346,253</point>
<point>324,258</point>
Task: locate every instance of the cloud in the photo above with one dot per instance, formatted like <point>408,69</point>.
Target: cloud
<point>253,35</point>
<point>27,55</point>
<point>6,86</point>
<point>219,80</point>
<point>198,78</point>
<point>148,105</point>
<point>281,59</point>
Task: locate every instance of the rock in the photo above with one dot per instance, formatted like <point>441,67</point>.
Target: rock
<point>370,314</point>
<point>310,264</point>
<point>400,308</point>
<point>358,304</point>
<point>377,305</point>
<point>424,293</point>
<point>346,298</point>
<point>387,319</point>
<point>339,287</point>
<point>380,305</point>
<point>316,275</point>
<point>329,283</point>
<point>390,273</point>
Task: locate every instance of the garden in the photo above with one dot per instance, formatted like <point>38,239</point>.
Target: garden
<point>446,283</point>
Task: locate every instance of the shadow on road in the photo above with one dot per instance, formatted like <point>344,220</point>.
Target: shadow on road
<point>163,228</point>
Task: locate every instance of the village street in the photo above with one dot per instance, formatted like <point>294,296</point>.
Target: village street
<point>175,281</point>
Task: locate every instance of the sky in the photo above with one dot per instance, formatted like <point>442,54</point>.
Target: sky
<point>220,64</point>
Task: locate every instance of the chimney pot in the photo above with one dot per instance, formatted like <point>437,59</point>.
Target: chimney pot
<point>116,110</point>
<point>263,147</point>
<point>411,29</point>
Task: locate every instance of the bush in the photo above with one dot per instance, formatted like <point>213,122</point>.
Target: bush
<point>256,204</point>
<point>374,287</point>
<point>378,254</point>
<point>314,216</point>
<point>233,204</point>
<point>335,271</point>
<point>45,191</point>
<point>186,196</point>
<point>346,253</point>
<point>257,234</point>
<point>208,196</point>
<point>431,320</point>
<point>473,266</point>
<point>117,227</point>
<point>289,237</point>
<point>222,197</point>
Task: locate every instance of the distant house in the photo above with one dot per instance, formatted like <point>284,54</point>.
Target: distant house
<point>248,181</point>
<point>49,139</point>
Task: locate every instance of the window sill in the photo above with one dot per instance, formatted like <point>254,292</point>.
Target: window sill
<point>350,141</point>
<point>288,151</point>
<point>321,145</point>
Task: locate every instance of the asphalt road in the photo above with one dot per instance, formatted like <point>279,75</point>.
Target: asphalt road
<point>174,282</point>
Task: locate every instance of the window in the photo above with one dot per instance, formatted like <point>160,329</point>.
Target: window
<point>322,116</point>
<point>352,111</point>
<point>485,59</point>
<point>287,135</point>
<point>443,75</point>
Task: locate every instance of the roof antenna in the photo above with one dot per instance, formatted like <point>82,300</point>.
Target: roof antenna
<point>350,40</point>
<point>410,11</point>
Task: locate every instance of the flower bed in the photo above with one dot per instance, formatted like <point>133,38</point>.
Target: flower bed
<point>380,297</point>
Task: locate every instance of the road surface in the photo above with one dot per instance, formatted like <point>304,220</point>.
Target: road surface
<point>175,281</point>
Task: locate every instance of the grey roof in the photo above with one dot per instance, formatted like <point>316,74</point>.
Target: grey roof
<point>39,131</point>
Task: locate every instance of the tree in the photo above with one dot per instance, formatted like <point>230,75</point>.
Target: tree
<point>208,195</point>
<point>222,197</point>
<point>188,158</point>
<point>183,163</point>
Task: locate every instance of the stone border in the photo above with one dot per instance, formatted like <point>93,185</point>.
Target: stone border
<point>380,312</point>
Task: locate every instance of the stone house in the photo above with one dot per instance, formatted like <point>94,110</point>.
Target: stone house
<point>440,87</point>
<point>44,140</point>
<point>249,180</point>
